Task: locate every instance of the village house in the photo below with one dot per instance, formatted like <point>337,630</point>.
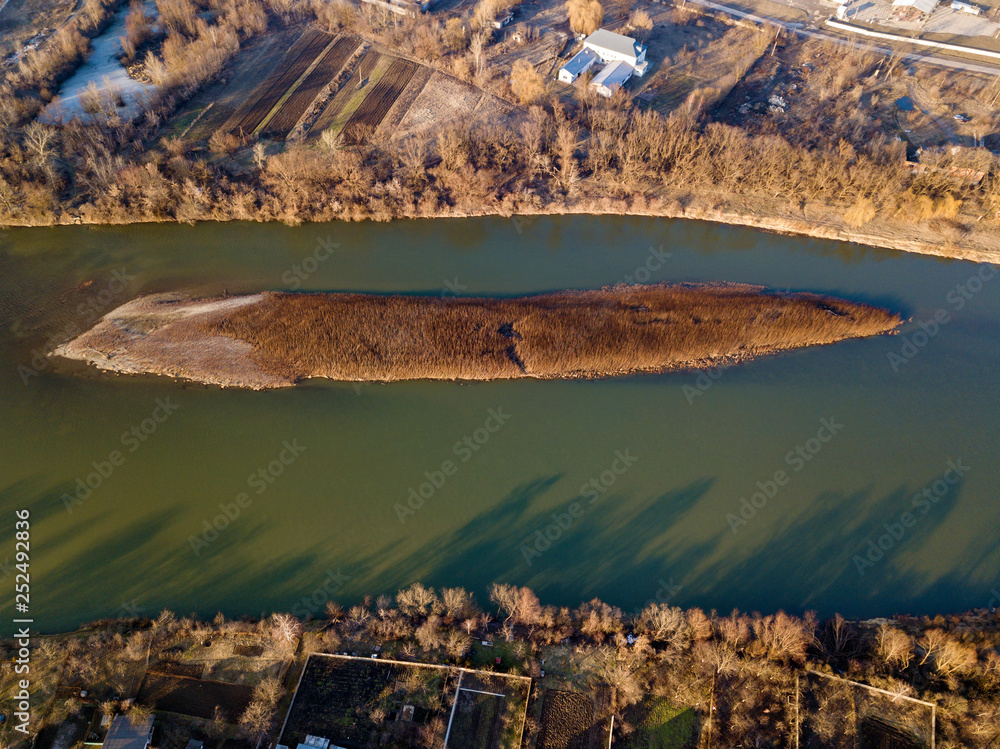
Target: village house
<point>622,56</point>
<point>402,7</point>
<point>127,732</point>
<point>612,47</point>
<point>582,62</point>
<point>612,78</point>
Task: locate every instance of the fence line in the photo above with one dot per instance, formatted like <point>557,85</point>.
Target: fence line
<point>922,42</point>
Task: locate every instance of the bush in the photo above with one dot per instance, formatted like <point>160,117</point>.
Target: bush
<point>585,16</point>
<point>526,82</point>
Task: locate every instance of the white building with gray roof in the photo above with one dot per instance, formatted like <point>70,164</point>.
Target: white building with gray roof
<point>612,47</point>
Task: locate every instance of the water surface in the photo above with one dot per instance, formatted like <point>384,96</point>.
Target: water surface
<point>188,521</point>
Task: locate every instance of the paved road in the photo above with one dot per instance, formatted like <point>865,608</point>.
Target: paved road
<point>800,29</point>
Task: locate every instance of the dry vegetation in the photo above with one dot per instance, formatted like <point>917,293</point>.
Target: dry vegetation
<point>745,666</point>
<point>829,165</point>
<point>279,339</point>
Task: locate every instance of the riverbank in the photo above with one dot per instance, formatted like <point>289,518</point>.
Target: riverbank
<point>749,679</point>
<point>277,339</point>
<point>816,221</point>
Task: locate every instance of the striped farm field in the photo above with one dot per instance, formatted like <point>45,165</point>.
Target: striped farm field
<point>293,64</point>
<point>326,69</point>
<point>370,69</point>
<point>410,94</point>
<point>376,105</point>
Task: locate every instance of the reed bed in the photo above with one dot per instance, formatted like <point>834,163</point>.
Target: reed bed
<point>280,339</point>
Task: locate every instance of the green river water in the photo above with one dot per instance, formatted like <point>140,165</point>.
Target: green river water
<point>532,497</point>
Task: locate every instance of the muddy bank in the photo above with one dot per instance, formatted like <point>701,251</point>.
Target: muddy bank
<point>277,339</point>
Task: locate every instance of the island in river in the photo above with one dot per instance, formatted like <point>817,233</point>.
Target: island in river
<point>277,339</point>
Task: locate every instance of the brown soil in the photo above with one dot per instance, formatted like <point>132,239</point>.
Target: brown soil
<point>278,339</point>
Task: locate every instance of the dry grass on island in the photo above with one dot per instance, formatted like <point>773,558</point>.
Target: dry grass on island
<point>277,339</point>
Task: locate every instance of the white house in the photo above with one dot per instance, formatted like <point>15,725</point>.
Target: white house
<point>966,7</point>
<point>612,78</point>
<point>501,21</point>
<point>582,62</point>
<point>612,47</point>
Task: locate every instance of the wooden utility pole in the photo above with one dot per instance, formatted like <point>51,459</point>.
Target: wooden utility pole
<point>798,727</point>
<point>711,707</point>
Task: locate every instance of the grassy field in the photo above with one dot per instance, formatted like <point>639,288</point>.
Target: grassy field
<point>275,339</point>
<point>659,725</point>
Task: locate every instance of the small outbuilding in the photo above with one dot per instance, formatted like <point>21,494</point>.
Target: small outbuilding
<point>612,78</point>
<point>964,7</point>
<point>582,62</point>
<point>127,732</point>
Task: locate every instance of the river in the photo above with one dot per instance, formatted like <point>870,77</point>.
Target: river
<point>860,477</point>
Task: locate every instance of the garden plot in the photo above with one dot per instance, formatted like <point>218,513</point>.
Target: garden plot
<point>444,99</point>
<point>325,71</point>
<point>376,105</point>
<point>354,701</point>
<point>655,722</point>
<point>195,697</point>
<point>567,721</point>
<point>211,108</point>
<point>361,702</point>
<point>370,69</point>
<point>488,712</point>
<point>255,110</point>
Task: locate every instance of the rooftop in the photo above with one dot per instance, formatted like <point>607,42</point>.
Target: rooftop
<point>613,75</point>
<point>924,6</point>
<point>581,60</point>
<point>126,734</point>
<point>618,43</point>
